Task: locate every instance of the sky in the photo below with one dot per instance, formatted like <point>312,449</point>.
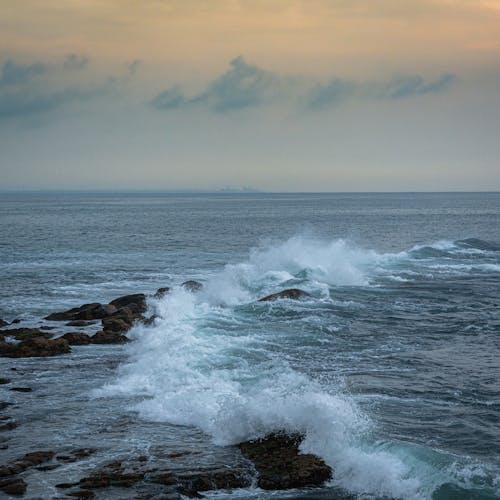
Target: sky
<point>282,95</point>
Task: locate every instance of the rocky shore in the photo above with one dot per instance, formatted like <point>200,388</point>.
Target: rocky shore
<point>273,462</point>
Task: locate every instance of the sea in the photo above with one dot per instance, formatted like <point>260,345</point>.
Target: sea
<point>390,370</point>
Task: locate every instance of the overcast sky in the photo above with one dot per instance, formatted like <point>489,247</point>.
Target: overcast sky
<point>281,95</point>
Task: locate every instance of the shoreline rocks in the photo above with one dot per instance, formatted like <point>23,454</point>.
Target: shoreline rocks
<point>36,347</point>
<point>281,466</point>
<point>290,293</point>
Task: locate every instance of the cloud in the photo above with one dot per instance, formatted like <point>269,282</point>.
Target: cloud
<point>242,86</point>
<point>245,85</point>
<point>334,91</point>
<point>41,88</point>
<point>133,67</point>
<point>13,73</point>
<point>75,62</point>
<point>414,85</point>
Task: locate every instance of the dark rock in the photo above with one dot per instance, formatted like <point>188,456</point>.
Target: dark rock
<point>36,347</point>
<point>47,328</point>
<point>21,389</point>
<point>136,303</point>
<point>291,293</point>
<point>106,478</point>
<point>116,324</point>
<point>91,311</point>
<point>280,464</point>
<point>192,286</point>
<point>161,292</point>
<point>4,381</point>
<point>24,333</point>
<point>149,321</point>
<point>16,321</point>
<point>13,486</point>
<point>107,337</point>
<point>193,482</point>
<point>80,322</point>
<point>83,494</point>
<point>76,338</point>
<point>76,455</point>
<point>8,425</point>
<point>29,460</point>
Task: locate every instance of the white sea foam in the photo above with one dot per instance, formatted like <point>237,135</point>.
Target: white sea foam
<point>198,368</point>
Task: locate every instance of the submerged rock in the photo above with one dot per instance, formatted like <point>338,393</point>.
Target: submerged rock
<point>280,464</point>
<point>13,486</point>
<point>36,347</point>
<point>80,322</point>
<point>291,293</point>
<point>76,338</point>
<point>192,286</point>
<point>29,460</point>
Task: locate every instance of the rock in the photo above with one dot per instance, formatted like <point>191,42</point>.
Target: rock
<point>45,327</point>
<point>29,460</point>
<point>83,494</point>
<point>281,466</point>
<point>80,322</point>
<point>8,425</point>
<point>24,333</point>
<point>16,321</point>
<point>192,482</point>
<point>4,381</point>
<point>161,292</point>
<point>291,293</point>
<point>21,389</point>
<point>91,311</point>
<point>106,478</point>
<point>76,455</point>
<point>108,337</point>
<point>76,338</point>
<point>136,303</point>
<point>192,286</point>
<point>13,486</point>
<point>117,324</point>
<point>36,347</point>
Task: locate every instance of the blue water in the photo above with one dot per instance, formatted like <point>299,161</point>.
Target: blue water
<point>391,370</point>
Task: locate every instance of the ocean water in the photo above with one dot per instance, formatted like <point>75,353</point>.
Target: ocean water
<point>391,370</point>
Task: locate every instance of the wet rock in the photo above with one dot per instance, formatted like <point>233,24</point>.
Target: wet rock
<point>91,311</point>
<point>161,292</point>
<point>291,294</point>
<point>192,482</point>
<point>24,333</point>
<point>108,337</point>
<point>80,322</point>
<point>281,466</point>
<point>75,455</point>
<point>117,324</point>
<point>192,286</point>
<point>21,389</point>
<point>13,486</point>
<point>136,303</point>
<point>149,321</point>
<point>36,347</point>
<point>107,478</point>
<point>83,494</point>
<point>29,460</point>
<point>4,381</point>
<point>76,338</point>
<point>8,424</point>
<point>47,328</point>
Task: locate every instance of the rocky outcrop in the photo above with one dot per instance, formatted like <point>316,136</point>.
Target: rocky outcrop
<point>36,347</point>
<point>24,333</point>
<point>161,292</point>
<point>85,312</point>
<point>13,486</point>
<point>136,303</point>
<point>108,337</point>
<point>280,464</point>
<point>192,286</point>
<point>291,294</point>
<point>25,462</point>
<point>76,338</point>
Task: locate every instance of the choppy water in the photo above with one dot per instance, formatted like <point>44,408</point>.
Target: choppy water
<point>391,370</point>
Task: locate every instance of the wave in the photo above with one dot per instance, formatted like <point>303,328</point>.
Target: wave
<point>202,364</point>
